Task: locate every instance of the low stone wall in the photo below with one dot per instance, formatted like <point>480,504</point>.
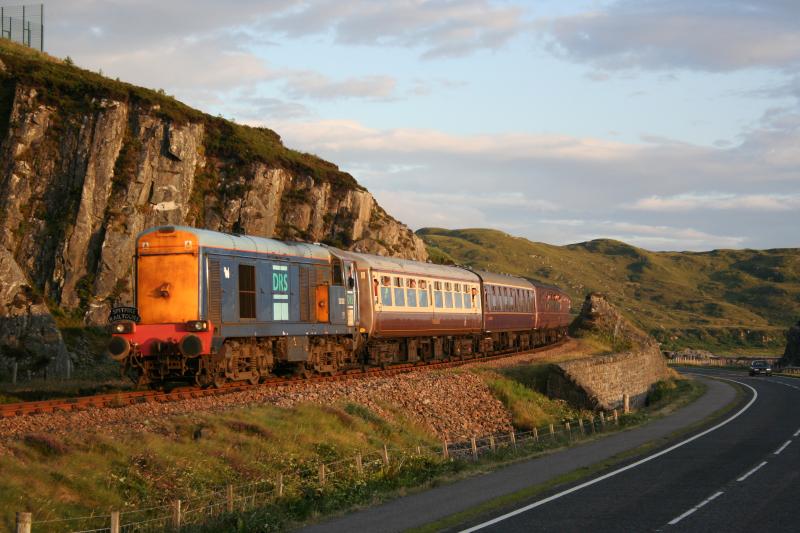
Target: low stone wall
<point>600,382</point>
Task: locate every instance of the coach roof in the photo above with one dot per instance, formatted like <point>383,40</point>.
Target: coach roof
<point>407,267</point>
<point>504,279</point>
<point>246,243</point>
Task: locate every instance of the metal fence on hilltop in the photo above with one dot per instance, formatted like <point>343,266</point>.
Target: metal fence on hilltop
<point>23,24</point>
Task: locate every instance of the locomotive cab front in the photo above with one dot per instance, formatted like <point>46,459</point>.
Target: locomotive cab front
<point>167,298</point>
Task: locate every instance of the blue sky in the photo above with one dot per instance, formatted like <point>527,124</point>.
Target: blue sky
<point>669,124</point>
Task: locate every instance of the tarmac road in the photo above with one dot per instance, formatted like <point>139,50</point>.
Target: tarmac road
<point>743,476</point>
<point>643,497</point>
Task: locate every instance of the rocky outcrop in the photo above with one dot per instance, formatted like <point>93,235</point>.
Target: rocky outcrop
<point>600,318</point>
<point>31,342</point>
<point>791,355</point>
<point>601,382</point>
<point>82,174</point>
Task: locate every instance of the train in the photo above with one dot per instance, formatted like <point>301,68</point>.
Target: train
<point>211,308</point>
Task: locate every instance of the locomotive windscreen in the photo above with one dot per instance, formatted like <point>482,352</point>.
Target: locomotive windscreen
<point>167,277</point>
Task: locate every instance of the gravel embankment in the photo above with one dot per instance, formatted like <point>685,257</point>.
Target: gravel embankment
<point>453,404</point>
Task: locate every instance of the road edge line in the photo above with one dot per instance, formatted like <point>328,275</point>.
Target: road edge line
<point>624,468</point>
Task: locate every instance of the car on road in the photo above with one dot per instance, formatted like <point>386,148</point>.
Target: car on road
<point>760,366</point>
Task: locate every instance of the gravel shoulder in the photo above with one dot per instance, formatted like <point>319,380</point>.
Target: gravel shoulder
<point>432,505</point>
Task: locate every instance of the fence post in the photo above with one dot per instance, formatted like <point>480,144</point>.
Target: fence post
<point>474,448</point>
<point>616,417</point>
<point>552,432</point>
<point>419,450</point>
<point>23,522</point>
<point>385,456</point>
<point>491,442</point>
<point>229,498</point>
<point>535,434</point>
<point>445,451</point>
<point>569,430</point>
<point>359,464</point>
<point>176,514</point>
<point>591,424</point>
<point>279,485</point>
<point>322,474</point>
<point>602,420</point>
<point>514,438</point>
<point>114,522</point>
<point>580,424</point>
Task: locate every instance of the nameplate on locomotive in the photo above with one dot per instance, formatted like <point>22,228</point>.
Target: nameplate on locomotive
<point>124,314</point>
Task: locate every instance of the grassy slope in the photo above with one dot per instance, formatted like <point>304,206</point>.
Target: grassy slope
<point>723,299</point>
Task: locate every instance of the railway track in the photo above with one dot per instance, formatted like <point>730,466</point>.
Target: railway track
<point>121,399</point>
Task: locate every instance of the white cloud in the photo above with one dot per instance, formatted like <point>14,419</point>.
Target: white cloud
<point>337,135</point>
<point>307,84</point>
<point>718,201</point>
<point>440,28</point>
<point>666,34</point>
<point>659,237</point>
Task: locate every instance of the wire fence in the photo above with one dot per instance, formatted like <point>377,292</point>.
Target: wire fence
<point>317,477</point>
<point>23,24</point>
<point>723,361</point>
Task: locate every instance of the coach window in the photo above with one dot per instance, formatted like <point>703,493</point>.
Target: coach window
<point>423,293</point>
<point>411,292</point>
<point>457,300</point>
<point>466,296</point>
<point>386,290</point>
<point>448,295</point>
<point>437,294</point>
<point>247,291</point>
<point>399,292</point>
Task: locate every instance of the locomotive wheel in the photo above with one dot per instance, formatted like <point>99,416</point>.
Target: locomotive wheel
<point>254,379</point>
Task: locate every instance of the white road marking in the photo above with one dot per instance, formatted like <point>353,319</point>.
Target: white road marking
<point>695,508</point>
<point>613,473</point>
<point>785,444</point>
<point>750,473</point>
<point>796,433</point>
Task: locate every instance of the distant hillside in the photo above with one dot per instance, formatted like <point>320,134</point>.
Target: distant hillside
<point>728,300</point>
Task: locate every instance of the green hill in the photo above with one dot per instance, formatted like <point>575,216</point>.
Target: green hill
<point>724,300</point>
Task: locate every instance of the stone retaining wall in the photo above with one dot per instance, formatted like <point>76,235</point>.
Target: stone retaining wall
<point>600,382</point>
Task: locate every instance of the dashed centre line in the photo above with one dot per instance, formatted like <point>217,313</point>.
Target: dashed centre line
<point>796,433</point>
<point>751,472</point>
<point>695,508</point>
<point>785,444</point>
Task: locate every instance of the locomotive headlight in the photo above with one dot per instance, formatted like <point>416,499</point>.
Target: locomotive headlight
<point>197,325</point>
<point>122,327</point>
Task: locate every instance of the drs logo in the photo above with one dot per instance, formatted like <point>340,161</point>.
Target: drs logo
<point>280,282</point>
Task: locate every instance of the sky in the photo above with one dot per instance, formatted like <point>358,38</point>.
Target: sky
<point>667,124</point>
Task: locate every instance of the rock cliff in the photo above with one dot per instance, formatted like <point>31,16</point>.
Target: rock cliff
<point>791,355</point>
<point>86,163</point>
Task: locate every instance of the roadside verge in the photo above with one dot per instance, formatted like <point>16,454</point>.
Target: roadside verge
<point>456,503</point>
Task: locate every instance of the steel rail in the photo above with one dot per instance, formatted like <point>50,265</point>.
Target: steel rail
<point>121,399</point>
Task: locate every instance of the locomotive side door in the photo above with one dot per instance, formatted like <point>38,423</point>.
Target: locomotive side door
<point>322,303</point>
<point>350,282</point>
<point>228,284</point>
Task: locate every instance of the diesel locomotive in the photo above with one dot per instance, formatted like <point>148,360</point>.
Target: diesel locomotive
<point>214,307</point>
